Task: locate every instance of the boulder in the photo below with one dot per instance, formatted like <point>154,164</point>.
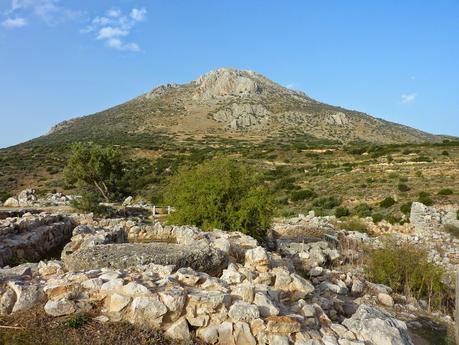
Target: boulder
<point>121,256</point>
<point>377,327</point>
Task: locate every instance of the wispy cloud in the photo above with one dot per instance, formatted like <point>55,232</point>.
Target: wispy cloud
<point>114,27</point>
<point>408,98</point>
<point>48,11</point>
<point>14,23</point>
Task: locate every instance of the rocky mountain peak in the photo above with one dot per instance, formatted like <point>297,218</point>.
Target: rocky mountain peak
<point>227,82</point>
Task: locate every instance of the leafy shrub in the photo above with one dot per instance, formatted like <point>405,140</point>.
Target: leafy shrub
<point>302,194</point>
<point>4,196</point>
<point>327,202</point>
<point>355,224</point>
<point>406,269</point>
<point>445,153</point>
<point>387,202</point>
<point>287,183</point>
<point>220,194</point>
<point>452,230</point>
<point>362,210</point>
<point>341,212</point>
<point>425,198</point>
<point>445,191</point>
<point>393,219</point>
<point>406,207</point>
<point>377,217</point>
<point>402,187</point>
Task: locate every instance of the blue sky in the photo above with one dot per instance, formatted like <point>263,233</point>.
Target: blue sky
<point>398,60</point>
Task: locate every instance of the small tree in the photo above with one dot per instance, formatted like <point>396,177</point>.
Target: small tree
<point>95,168</point>
<point>220,194</point>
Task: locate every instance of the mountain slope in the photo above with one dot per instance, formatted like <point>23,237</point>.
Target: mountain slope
<point>236,104</point>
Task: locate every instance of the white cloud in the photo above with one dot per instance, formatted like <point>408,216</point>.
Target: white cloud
<point>14,23</point>
<point>115,27</point>
<point>138,15</point>
<point>49,11</point>
<point>109,32</point>
<point>114,12</point>
<point>408,98</point>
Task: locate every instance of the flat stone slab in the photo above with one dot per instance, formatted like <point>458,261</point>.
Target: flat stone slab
<point>121,256</point>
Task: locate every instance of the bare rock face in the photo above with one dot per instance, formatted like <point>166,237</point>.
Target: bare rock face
<point>240,116</point>
<point>226,82</point>
<point>338,118</point>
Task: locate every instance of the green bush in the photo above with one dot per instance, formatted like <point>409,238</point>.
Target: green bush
<point>220,194</point>
<point>452,230</point>
<point>362,210</point>
<point>425,198</point>
<point>327,202</point>
<point>406,207</point>
<point>445,191</point>
<point>406,269</point>
<point>355,224</point>
<point>4,196</point>
<point>341,212</point>
<point>445,153</point>
<point>402,187</point>
<point>387,202</point>
<point>302,194</point>
<point>377,217</point>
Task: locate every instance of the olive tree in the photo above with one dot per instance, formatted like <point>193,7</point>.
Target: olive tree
<point>95,169</point>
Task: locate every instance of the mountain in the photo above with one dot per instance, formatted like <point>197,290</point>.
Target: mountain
<point>236,104</point>
<point>226,111</point>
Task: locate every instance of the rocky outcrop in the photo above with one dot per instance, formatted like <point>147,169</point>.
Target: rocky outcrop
<point>226,82</point>
<point>242,116</point>
<point>25,198</point>
<point>29,198</point>
<point>377,327</point>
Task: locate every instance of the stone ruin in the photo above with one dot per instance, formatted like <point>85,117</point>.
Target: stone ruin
<point>221,286</point>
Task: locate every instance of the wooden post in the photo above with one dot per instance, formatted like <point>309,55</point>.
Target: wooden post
<point>168,210</point>
<point>456,313</point>
<point>154,210</point>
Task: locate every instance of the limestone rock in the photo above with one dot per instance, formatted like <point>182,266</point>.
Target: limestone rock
<point>60,307</point>
<point>377,327</point>
<point>242,311</point>
<point>179,330</point>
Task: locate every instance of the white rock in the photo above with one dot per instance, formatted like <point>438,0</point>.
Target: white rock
<point>118,302</point>
<point>385,299</point>
<point>60,307</point>
<point>242,311</point>
<point>265,305</point>
<point>179,330</point>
